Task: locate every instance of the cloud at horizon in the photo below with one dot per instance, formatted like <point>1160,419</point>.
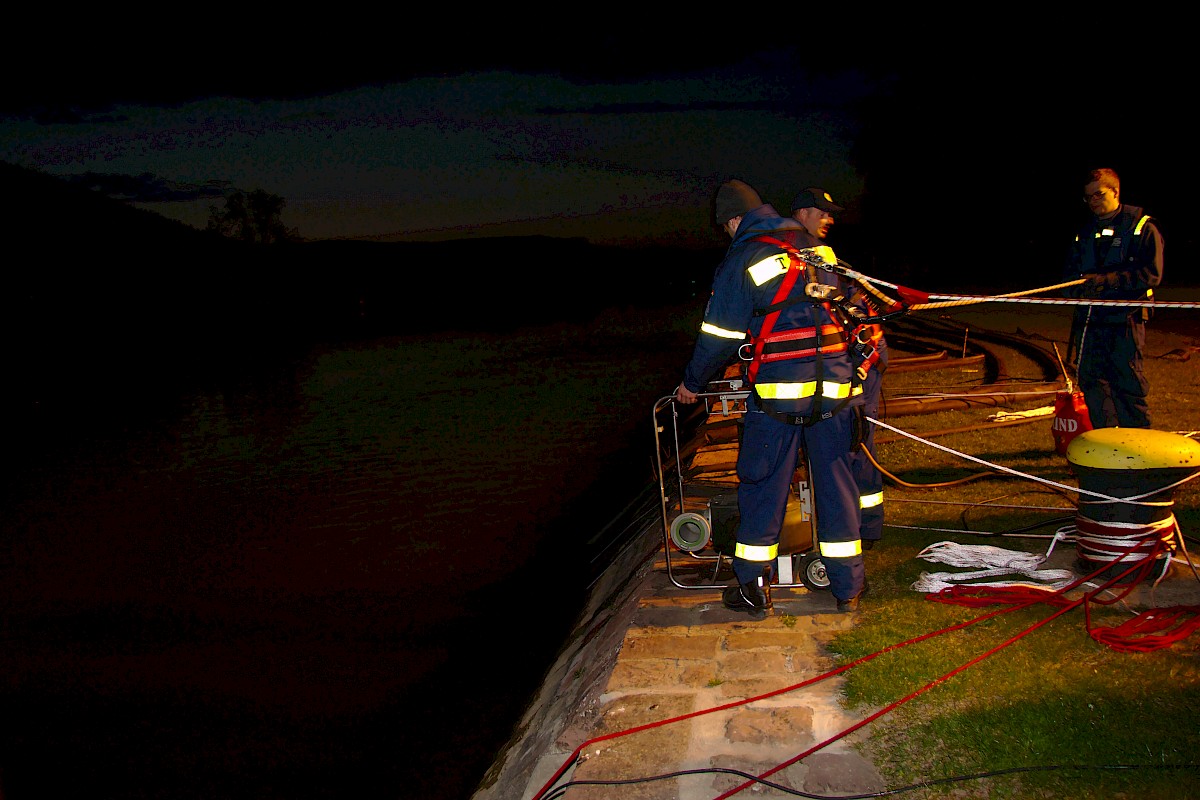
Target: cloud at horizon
<point>456,154</point>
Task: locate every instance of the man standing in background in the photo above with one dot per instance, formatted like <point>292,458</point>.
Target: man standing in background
<point>814,209</point>
<point>1119,254</point>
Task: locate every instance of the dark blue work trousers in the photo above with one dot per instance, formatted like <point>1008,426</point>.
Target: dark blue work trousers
<point>1111,377</point>
<point>767,459</point>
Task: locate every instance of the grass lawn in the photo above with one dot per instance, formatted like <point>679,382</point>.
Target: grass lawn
<point>1036,707</point>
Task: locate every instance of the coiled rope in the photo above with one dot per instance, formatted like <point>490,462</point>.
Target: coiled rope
<point>1114,542</point>
<point>996,560</point>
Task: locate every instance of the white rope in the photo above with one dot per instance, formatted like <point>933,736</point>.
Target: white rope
<point>980,461</point>
<point>931,583</point>
<point>1001,534</point>
<point>1021,297</point>
<point>995,561</point>
<point>977,504</point>
<point>1147,503</point>
<point>1135,500</point>
<point>962,300</point>
<point>973,395</point>
<point>1126,540</point>
<point>973,555</point>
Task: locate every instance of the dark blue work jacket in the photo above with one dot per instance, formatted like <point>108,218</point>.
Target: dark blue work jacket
<point>808,369</point>
<point>1127,251</point>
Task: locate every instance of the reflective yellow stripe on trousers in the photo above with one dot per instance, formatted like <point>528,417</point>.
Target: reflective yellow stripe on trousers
<point>841,549</point>
<point>751,552</point>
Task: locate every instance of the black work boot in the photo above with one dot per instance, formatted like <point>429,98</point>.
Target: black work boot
<point>752,597</point>
<point>850,605</point>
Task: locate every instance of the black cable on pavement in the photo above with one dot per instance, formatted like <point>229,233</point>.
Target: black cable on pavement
<point>558,791</point>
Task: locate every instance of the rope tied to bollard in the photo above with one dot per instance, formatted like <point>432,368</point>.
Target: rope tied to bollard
<point>1112,542</point>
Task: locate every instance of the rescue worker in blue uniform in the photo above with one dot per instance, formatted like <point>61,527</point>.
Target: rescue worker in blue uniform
<point>803,394</point>
<point>1120,254</point>
<point>814,209</point>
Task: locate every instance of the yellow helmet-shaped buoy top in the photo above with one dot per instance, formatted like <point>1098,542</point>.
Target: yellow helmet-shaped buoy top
<point>1133,448</point>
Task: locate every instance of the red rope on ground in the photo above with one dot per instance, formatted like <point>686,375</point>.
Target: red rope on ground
<point>981,596</point>
<point>1130,636</point>
<point>816,679</point>
<point>1148,631</point>
<point>935,682</point>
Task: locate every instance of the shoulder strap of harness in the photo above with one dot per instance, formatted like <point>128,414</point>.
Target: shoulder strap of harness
<point>781,294</point>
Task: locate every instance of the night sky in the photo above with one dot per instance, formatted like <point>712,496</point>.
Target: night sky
<point>947,141</point>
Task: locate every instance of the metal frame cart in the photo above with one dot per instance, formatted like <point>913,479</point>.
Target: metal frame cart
<point>699,503</point>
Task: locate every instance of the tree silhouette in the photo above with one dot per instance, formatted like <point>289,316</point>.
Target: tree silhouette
<point>253,217</point>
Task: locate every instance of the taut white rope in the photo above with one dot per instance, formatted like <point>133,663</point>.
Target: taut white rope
<point>1135,500</point>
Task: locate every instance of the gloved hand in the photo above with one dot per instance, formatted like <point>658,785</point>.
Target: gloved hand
<point>1094,285</point>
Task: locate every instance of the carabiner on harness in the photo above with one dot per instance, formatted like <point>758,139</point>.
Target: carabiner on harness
<point>822,292</point>
<point>865,351</point>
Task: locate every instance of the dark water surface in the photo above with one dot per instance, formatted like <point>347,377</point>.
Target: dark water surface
<point>340,574</point>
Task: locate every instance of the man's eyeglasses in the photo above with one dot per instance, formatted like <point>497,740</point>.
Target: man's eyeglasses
<point>1096,195</point>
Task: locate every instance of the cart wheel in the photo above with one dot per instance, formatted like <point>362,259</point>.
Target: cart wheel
<point>812,572</point>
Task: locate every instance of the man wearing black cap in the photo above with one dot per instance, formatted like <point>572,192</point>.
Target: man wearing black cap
<point>814,209</point>
<point>802,380</point>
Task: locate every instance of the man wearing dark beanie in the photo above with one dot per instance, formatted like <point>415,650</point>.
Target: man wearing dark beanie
<point>802,398</point>
<point>734,198</point>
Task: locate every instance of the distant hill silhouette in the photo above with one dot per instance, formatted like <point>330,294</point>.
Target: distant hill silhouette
<point>108,297</point>
<point>57,217</point>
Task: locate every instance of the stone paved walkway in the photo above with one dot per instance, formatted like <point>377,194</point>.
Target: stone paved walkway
<point>684,653</point>
<point>658,652</point>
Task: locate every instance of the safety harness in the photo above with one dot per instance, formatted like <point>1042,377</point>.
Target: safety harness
<point>816,341</point>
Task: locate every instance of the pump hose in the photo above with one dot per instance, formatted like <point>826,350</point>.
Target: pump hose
<point>907,485</point>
